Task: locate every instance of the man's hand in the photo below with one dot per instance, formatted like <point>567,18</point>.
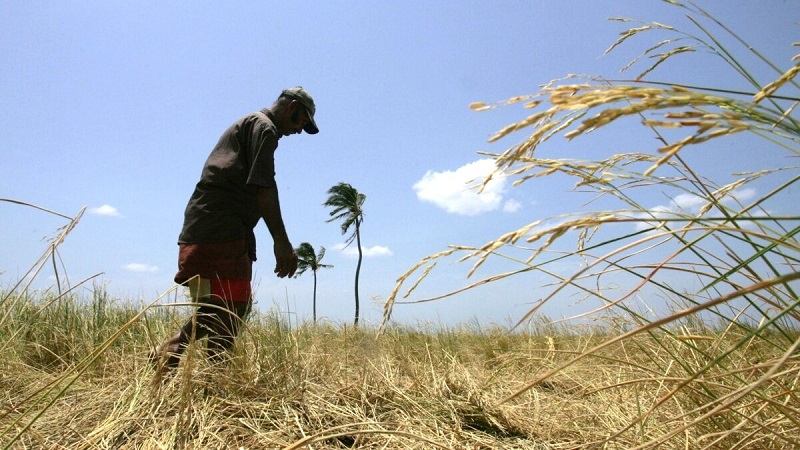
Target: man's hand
<point>270,209</point>
<point>285,259</point>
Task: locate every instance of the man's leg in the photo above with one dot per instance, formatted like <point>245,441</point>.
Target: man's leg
<point>166,356</point>
<point>224,304</point>
<point>224,327</point>
<point>232,299</point>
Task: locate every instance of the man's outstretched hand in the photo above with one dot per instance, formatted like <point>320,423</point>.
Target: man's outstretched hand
<point>285,259</point>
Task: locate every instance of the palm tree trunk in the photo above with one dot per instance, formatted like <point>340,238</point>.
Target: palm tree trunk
<point>358,267</point>
<point>315,296</point>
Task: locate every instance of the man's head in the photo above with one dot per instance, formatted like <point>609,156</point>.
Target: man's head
<point>295,110</point>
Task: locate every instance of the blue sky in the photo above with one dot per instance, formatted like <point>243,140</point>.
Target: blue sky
<point>115,105</point>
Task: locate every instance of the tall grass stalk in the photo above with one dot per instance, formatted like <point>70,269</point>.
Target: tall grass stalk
<point>742,253</point>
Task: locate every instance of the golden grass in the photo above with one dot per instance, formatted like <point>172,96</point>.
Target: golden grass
<point>741,256</point>
<point>335,387</point>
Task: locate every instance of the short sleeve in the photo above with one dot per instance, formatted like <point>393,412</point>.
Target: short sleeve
<point>260,148</point>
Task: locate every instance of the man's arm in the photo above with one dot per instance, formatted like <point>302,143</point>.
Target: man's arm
<point>270,209</point>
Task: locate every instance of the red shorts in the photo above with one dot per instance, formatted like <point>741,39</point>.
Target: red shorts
<point>218,289</point>
<point>223,270</point>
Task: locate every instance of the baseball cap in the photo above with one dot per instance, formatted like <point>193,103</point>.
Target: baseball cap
<point>302,96</point>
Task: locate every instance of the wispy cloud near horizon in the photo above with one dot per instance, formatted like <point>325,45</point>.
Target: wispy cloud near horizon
<point>688,204</point>
<point>369,252</point>
<point>140,268</point>
<point>105,210</point>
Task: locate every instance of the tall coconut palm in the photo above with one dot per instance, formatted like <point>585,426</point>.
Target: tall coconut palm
<point>347,205</point>
<point>308,259</point>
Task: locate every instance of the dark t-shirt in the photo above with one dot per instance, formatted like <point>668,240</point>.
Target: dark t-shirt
<point>223,206</point>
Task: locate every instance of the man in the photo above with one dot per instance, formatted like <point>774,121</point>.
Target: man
<point>217,245</point>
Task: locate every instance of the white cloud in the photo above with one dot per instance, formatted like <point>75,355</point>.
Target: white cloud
<point>369,252</point>
<point>743,194</point>
<point>105,210</point>
<point>685,202</point>
<point>511,206</point>
<point>688,204</point>
<point>140,267</point>
<point>659,212</point>
<point>456,191</point>
<point>693,203</point>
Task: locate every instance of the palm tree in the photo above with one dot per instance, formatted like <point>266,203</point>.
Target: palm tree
<point>347,204</point>
<point>308,259</point>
